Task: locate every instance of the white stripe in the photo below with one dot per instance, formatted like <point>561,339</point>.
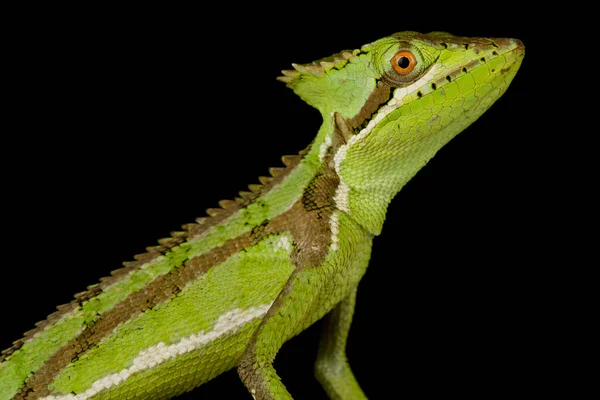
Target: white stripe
<point>333,223</point>
<point>155,355</point>
<point>324,147</point>
<point>400,94</point>
<point>397,100</point>
<point>284,243</point>
<point>341,197</point>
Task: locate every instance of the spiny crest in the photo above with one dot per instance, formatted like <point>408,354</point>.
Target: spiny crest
<point>317,68</point>
<point>215,216</point>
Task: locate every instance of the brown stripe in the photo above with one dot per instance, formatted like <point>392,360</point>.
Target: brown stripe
<point>307,221</point>
<point>158,291</point>
<point>380,95</point>
<point>165,246</point>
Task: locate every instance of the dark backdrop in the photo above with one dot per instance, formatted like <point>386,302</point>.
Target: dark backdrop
<point>133,122</point>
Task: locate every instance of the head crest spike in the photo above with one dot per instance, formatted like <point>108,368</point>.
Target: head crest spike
<point>317,68</point>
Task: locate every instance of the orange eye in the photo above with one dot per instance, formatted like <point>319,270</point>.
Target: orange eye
<point>404,61</point>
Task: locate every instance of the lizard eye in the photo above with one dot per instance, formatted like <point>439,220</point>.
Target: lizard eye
<point>403,62</point>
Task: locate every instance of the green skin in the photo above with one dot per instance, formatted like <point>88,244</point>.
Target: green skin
<point>450,87</point>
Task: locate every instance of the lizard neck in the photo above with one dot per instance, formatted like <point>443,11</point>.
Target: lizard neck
<point>370,175</point>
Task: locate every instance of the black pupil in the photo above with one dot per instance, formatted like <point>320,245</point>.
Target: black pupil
<point>403,62</point>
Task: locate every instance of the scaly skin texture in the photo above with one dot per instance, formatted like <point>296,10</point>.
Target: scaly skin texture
<point>231,289</point>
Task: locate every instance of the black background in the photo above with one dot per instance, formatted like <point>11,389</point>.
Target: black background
<point>131,122</point>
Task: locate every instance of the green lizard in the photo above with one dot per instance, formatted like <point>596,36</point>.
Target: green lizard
<point>229,290</point>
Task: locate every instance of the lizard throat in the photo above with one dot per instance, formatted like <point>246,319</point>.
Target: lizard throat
<point>400,97</point>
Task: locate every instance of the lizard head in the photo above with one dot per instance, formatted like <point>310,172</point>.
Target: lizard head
<point>405,66</point>
<point>397,101</point>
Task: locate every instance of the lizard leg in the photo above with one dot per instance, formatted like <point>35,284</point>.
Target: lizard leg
<point>332,368</point>
<point>280,323</point>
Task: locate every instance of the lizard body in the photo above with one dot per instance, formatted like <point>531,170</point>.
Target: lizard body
<point>231,288</point>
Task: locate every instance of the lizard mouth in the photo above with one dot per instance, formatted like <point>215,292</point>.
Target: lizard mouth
<point>502,56</point>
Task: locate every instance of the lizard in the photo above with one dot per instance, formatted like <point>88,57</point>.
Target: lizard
<point>229,289</point>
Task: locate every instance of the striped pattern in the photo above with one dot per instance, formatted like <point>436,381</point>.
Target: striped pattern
<point>151,357</point>
<point>165,275</point>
